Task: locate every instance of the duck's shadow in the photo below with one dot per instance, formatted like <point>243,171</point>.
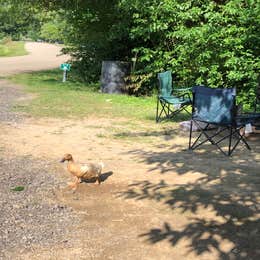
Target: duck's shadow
<point>103,177</point>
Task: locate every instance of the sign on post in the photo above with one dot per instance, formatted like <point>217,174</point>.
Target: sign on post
<point>65,67</point>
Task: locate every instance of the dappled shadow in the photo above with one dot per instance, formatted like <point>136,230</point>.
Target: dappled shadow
<point>205,235</point>
<point>228,187</point>
<point>168,161</point>
<point>165,133</point>
<point>178,158</point>
<point>182,116</point>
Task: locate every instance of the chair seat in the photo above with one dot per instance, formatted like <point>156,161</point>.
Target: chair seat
<point>175,100</point>
<point>170,101</point>
<point>248,118</point>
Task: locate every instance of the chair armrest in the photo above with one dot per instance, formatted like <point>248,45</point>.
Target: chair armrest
<point>187,95</point>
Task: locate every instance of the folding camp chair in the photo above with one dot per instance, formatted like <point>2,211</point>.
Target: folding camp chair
<point>170,101</point>
<point>215,106</point>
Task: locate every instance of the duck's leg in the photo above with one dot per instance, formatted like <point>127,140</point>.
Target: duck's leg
<point>74,184</point>
<point>98,179</point>
<point>77,182</point>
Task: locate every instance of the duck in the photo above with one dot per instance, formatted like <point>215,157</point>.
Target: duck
<point>81,172</point>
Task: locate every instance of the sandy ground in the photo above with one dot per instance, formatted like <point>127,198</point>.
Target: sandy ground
<point>41,56</point>
<point>156,201</point>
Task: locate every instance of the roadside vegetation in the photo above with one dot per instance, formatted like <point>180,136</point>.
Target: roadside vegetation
<point>10,48</point>
<point>213,43</point>
<point>76,99</point>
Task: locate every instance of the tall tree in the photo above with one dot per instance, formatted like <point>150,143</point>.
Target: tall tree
<point>17,18</point>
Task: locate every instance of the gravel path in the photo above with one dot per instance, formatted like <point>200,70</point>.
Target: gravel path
<point>8,95</point>
<point>31,218</point>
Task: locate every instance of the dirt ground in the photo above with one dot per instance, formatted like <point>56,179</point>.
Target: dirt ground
<point>157,200</point>
<point>41,56</point>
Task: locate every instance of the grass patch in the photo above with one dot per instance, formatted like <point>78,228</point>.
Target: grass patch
<point>18,188</point>
<point>76,99</point>
<point>10,49</point>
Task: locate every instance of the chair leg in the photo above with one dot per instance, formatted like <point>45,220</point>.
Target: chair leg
<point>184,108</point>
<point>232,132</point>
<point>230,141</point>
<point>190,134</point>
<point>164,110</point>
<point>242,138</point>
<point>157,110</point>
<point>167,110</point>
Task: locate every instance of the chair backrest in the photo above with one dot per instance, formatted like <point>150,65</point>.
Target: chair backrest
<point>165,83</point>
<point>214,105</point>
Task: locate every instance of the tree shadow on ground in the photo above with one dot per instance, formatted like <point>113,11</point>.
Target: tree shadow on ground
<point>165,133</point>
<point>182,116</point>
<point>227,185</point>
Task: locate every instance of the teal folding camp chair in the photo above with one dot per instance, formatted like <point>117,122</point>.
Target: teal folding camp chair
<point>170,101</point>
<point>217,107</point>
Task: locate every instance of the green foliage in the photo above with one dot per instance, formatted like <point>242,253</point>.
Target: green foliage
<point>54,27</point>
<point>24,19</point>
<point>99,32</point>
<point>17,18</point>
<point>215,43</point>
<point>9,48</point>
<point>50,31</point>
<point>79,100</point>
<point>18,188</point>
<point>202,42</point>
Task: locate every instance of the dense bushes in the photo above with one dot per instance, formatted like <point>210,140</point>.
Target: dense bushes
<point>203,42</point>
<point>215,43</point>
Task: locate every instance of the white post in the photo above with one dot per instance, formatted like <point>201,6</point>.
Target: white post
<point>64,75</point>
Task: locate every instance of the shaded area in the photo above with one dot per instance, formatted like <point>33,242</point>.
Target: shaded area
<point>103,177</point>
<point>165,133</point>
<point>226,187</point>
<point>182,116</point>
<point>204,235</point>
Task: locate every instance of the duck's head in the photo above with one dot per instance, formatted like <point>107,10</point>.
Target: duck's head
<point>66,157</point>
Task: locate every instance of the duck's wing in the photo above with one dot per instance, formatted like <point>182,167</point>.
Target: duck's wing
<point>84,168</point>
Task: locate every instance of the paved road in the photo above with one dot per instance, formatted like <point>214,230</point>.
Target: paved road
<point>41,56</point>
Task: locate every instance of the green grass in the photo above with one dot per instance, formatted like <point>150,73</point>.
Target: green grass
<point>76,99</point>
<point>18,188</point>
<point>10,49</point>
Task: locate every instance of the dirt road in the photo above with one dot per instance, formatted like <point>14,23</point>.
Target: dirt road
<point>41,56</point>
<point>156,201</point>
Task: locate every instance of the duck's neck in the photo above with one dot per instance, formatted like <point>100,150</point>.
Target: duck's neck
<point>71,161</point>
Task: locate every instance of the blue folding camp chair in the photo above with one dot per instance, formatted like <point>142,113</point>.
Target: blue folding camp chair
<point>170,101</point>
<point>216,106</point>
